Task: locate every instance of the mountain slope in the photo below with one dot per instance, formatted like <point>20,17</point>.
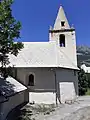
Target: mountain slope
<point>83,55</point>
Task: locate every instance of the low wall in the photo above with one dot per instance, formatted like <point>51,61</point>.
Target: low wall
<point>42,97</point>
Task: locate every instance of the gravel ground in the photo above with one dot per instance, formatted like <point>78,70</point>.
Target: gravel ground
<point>79,110</point>
<point>81,114</point>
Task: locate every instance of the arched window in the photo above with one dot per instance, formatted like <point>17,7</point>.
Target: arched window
<point>31,80</point>
<point>62,40</point>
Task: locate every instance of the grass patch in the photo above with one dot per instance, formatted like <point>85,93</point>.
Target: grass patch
<point>29,111</point>
<point>42,108</point>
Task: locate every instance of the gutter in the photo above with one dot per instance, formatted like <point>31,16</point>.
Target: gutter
<point>55,85</point>
<point>56,88</point>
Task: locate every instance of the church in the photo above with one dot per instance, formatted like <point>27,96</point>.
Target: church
<point>49,69</point>
<point>43,72</point>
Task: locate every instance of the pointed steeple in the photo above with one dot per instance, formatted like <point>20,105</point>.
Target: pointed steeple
<point>61,20</point>
<point>65,36</point>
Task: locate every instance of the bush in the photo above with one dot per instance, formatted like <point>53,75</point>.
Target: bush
<point>88,92</point>
<point>88,76</point>
<point>83,82</point>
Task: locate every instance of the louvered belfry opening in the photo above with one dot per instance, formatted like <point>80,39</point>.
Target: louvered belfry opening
<point>62,40</point>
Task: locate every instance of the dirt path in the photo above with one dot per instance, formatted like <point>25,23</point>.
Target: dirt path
<point>80,110</point>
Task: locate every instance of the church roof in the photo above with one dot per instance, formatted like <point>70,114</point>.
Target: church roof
<point>41,54</point>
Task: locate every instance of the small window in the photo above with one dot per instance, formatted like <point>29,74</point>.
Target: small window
<point>31,80</point>
<point>62,40</point>
<point>62,23</point>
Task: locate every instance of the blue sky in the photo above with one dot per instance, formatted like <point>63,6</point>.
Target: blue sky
<point>37,15</point>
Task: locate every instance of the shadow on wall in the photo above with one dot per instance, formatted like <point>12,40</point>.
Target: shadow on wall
<point>6,90</point>
<point>14,113</point>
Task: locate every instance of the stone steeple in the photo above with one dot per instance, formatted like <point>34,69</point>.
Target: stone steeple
<point>61,20</point>
<point>64,35</point>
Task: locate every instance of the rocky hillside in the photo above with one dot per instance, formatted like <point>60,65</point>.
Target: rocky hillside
<point>83,55</point>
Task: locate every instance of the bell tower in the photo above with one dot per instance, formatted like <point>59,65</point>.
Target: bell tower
<point>64,35</point>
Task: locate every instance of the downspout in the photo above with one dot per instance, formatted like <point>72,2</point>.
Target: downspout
<point>55,86</point>
<point>54,71</point>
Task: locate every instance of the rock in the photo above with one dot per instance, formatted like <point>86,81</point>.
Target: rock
<point>52,110</point>
<point>32,103</point>
<point>47,113</point>
<point>69,102</point>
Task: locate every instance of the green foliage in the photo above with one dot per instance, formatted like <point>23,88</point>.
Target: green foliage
<point>88,76</point>
<point>88,92</point>
<point>9,32</point>
<point>83,82</point>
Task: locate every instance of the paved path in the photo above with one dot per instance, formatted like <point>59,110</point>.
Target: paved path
<point>70,112</point>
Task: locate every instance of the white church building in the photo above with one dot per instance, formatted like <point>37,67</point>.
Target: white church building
<point>46,72</point>
<point>49,69</point>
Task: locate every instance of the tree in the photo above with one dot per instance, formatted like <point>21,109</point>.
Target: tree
<point>83,82</point>
<point>88,76</point>
<point>9,32</point>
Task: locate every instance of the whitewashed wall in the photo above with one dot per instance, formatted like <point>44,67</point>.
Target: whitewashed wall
<point>70,45</point>
<point>45,81</point>
<point>70,36</point>
<point>67,85</point>
<point>44,78</point>
<point>42,97</point>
